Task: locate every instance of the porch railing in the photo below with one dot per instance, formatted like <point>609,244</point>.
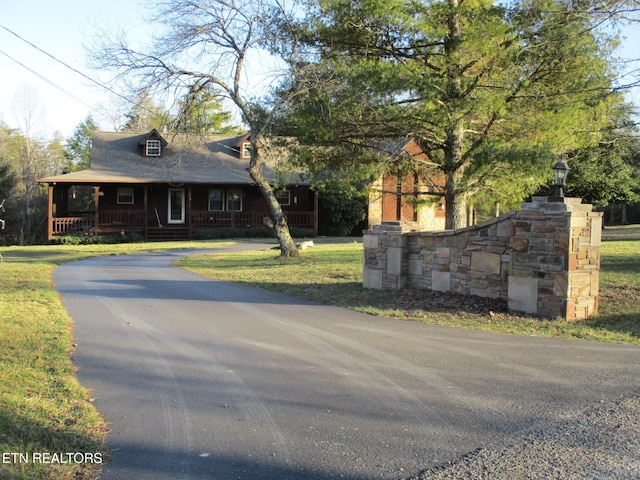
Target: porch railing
<point>77,224</point>
<point>108,218</point>
<point>300,219</point>
<point>205,218</point>
<point>84,222</point>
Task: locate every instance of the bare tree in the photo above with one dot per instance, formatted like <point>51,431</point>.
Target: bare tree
<point>30,163</point>
<point>219,43</point>
<point>29,112</point>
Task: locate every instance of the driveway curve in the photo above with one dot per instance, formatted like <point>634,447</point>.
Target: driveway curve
<point>201,379</point>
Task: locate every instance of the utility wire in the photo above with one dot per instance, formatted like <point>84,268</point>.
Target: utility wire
<point>92,80</point>
<point>55,85</point>
<point>75,70</point>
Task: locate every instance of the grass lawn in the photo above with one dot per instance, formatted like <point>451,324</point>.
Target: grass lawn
<point>620,280</point>
<point>332,274</point>
<point>43,409</point>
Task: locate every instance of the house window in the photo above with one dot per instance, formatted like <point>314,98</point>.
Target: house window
<point>154,148</point>
<point>234,200</point>
<point>125,196</point>
<point>246,150</point>
<point>283,197</point>
<point>216,199</point>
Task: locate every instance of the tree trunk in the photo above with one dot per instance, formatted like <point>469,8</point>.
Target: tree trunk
<point>277,221</point>
<point>455,198</point>
<point>456,202</point>
<point>456,207</point>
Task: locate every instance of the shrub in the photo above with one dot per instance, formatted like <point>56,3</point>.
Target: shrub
<point>248,232</point>
<point>97,239</point>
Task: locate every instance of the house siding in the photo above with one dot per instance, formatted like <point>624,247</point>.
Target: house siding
<point>383,207</point>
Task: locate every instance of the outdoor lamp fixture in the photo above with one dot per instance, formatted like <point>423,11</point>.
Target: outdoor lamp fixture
<point>561,172</point>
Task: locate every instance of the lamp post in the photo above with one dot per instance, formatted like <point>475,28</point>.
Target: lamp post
<point>561,172</point>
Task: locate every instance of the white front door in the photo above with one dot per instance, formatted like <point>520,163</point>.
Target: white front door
<point>176,205</point>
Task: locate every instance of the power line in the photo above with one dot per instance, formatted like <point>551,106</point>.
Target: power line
<point>55,85</point>
<point>75,70</point>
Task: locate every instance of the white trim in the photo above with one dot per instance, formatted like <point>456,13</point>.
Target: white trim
<point>154,146</point>
<point>230,193</point>
<point>222,200</point>
<point>245,150</point>
<point>283,193</point>
<point>182,206</point>
<point>120,192</point>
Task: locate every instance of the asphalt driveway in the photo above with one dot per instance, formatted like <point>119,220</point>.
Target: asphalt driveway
<point>201,379</point>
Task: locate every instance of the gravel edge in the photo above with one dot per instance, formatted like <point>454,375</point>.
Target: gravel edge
<point>601,442</point>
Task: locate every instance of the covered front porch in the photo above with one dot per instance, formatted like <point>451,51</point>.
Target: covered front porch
<point>164,213</point>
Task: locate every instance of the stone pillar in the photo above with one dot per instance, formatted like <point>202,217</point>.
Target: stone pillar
<point>384,252</point>
<point>583,270</point>
<point>555,259</point>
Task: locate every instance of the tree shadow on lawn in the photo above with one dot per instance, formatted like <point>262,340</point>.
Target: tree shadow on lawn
<point>454,309</point>
<point>23,436</point>
<point>624,323</point>
<point>354,296</point>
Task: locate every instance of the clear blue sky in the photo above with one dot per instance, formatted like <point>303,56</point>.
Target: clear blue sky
<point>63,29</point>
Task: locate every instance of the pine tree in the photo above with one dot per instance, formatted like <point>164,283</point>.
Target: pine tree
<point>478,85</point>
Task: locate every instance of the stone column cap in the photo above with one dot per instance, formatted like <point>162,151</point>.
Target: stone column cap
<point>557,204</point>
<point>388,227</point>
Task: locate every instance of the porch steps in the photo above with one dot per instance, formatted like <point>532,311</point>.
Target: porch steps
<point>165,234</point>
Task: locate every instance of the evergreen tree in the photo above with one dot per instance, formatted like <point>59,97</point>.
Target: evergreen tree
<point>478,85</point>
<point>26,159</point>
<point>200,111</point>
<point>7,177</point>
<point>7,181</point>
<point>78,149</point>
<point>146,115</point>
<point>608,172</point>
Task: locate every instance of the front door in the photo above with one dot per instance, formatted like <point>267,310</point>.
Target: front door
<point>176,205</point>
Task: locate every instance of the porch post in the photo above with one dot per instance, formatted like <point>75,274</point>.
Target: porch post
<point>315,212</point>
<point>188,213</point>
<point>96,202</point>
<point>49,212</point>
<point>146,213</point>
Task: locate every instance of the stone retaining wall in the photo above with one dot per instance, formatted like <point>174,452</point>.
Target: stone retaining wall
<point>543,259</point>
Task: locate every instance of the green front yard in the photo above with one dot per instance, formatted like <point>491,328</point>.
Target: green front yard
<point>332,274</point>
<point>43,409</point>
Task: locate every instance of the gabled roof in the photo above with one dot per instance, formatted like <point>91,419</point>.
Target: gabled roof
<point>153,135</point>
<point>399,147</point>
<point>187,158</point>
<point>243,139</point>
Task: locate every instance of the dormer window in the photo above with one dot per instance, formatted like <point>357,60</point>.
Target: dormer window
<point>152,144</point>
<point>246,150</point>
<point>154,148</point>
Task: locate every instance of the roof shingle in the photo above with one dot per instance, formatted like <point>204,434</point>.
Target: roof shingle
<point>188,158</point>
